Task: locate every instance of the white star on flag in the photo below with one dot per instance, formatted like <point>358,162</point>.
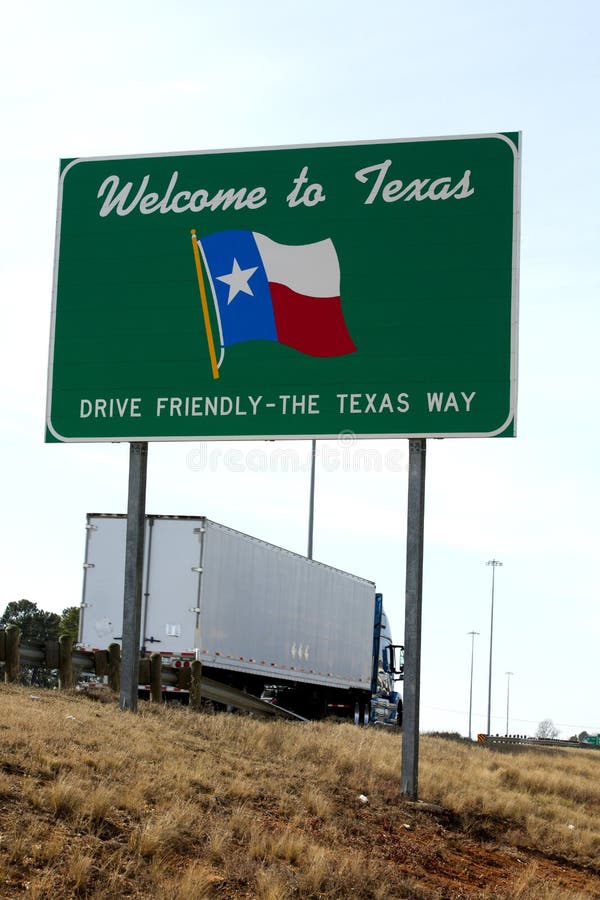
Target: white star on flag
<point>238,281</point>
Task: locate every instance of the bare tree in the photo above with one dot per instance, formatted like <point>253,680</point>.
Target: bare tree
<point>547,729</point>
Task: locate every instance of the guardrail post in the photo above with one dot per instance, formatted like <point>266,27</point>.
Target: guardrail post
<point>184,678</point>
<point>65,662</point>
<point>155,678</point>
<point>11,670</point>
<point>52,654</point>
<point>195,684</point>
<point>114,667</point>
<point>100,663</point>
<point>144,670</point>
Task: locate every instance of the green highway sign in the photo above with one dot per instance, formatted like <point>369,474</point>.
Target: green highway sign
<point>288,292</point>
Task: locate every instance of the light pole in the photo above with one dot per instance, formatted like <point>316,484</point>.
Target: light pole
<point>493,563</point>
<point>311,501</point>
<point>472,633</point>
<point>508,674</point>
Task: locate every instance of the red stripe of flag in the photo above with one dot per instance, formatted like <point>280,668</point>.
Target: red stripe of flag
<point>312,325</point>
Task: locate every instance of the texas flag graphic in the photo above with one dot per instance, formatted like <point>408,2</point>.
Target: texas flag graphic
<point>267,291</point>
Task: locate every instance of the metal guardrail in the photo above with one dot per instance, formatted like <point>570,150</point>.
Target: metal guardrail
<point>35,655</point>
<point>42,654</point>
<point>521,740</point>
<point>230,696</point>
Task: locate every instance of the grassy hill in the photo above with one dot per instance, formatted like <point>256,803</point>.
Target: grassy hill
<point>96,803</point>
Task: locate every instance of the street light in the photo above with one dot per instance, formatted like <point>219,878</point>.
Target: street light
<point>311,500</point>
<point>472,633</point>
<point>493,563</point>
<point>508,674</point>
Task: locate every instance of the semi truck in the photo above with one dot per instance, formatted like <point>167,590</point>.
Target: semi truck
<point>306,636</point>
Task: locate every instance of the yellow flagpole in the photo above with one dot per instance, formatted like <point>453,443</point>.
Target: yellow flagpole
<point>204,301</point>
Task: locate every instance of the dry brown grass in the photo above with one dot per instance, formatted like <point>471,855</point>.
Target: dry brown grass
<point>95,803</point>
<point>545,797</point>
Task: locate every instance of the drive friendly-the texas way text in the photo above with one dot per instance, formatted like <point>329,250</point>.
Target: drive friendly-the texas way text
<point>282,404</point>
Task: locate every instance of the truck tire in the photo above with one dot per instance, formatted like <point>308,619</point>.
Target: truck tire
<point>362,712</point>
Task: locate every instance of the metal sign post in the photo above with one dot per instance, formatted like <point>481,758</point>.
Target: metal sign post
<point>412,622</point>
<point>134,561</point>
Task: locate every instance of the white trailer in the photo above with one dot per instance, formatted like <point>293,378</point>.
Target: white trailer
<point>259,617</point>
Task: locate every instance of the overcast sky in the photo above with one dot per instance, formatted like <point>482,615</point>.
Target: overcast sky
<point>122,78</point>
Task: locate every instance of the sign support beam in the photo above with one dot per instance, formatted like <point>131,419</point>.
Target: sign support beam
<point>134,563</point>
<point>412,622</point>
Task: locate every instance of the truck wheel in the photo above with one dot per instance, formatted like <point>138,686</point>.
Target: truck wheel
<point>366,713</point>
<point>362,712</point>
